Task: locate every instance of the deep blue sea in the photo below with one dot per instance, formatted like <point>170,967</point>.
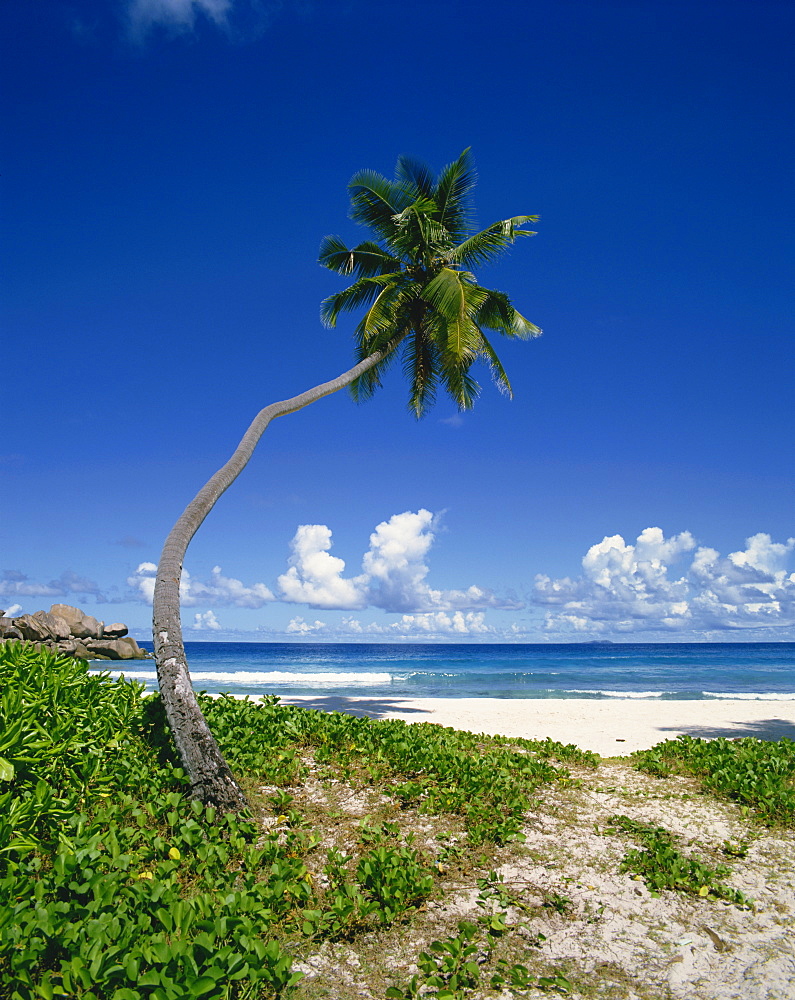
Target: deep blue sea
<point>671,671</point>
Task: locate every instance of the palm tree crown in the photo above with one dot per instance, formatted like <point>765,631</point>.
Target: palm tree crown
<point>415,281</point>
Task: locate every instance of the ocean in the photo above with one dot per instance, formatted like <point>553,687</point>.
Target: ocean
<point>670,671</point>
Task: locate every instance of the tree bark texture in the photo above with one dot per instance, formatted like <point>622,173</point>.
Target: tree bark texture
<point>211,779</point>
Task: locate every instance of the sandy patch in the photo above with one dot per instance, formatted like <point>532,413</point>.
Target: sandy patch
<point>611,728</point>
<point>572,911</point>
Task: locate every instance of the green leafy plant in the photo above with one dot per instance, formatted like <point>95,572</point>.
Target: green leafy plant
<point>449,966</point>
<point>115,885</point>
<point>395,878</point>
<point>555,901</point>
<point>662,866</point>
<point>518,977</point>
<point>759,774</point>
<point>488,781</point>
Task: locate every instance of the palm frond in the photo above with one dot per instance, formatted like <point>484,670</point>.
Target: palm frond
<point>370,259</point>
<point>452,294</point>
<point>375,200</point>
<point>364,260</point>
<point>366,385</point>
<point>498,373</point>
<point>453,189</point>
<point>417,233</point>
<point>415,174</point>
<point>497,313</point>
<point>484,246</point>
<point>421,369</point>
<point>385,315</point>
<point>360,293</point>
<point>459,383</point>
<point>335,255</point>
<point>363,387</point>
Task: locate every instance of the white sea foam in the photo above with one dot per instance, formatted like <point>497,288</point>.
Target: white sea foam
<point>750,696</point>
<point>269,677</point>
<point>720,695</point>
<point>617,694</point>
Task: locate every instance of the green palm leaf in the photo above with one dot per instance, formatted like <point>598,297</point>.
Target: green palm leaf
<point>387,312</point>
<point>497,313</point>
<point>364,260</point>
<point>455,184</point>
<point>363,387</point>
<point>421,367</point>
<point>497,371</point>
<point>450,295</point>
<point>415,174</point>
<point>460,386</point>
<point>370,259</point>
<point>361,293</point>
<point>456,299</point>
<point>375,201</point>
<point>335,255</point>
<point>484,246</point>
<point>417,233</point>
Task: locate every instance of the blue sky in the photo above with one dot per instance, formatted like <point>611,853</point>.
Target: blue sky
<point>169,168</point>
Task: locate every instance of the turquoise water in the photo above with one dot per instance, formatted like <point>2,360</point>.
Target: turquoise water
<point>764,671</point>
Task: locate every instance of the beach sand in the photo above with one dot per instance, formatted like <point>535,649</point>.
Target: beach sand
<point>610,727</point>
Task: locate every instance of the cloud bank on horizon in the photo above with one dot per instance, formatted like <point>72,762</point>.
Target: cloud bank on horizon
<point>431,625</point>
<point>14,583</point>
<point>624,589</point>
<point>656,587</point>
<point>630,589</point>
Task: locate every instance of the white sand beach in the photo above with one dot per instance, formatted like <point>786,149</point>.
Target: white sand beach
<point>610,727</point>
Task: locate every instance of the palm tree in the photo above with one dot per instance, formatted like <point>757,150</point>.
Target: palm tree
<point>415,283</point>
<point>422,302</point>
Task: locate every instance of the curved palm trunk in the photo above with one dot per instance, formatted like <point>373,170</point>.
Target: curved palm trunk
<point>211,779</point>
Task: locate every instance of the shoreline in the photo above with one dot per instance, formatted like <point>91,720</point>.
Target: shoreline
<point>610,728</point>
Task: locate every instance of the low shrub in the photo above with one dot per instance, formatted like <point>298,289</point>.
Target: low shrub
<point>113,883</point>
<point>759,774</point>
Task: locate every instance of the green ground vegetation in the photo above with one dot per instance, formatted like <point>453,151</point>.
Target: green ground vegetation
<point>116,885</point>
<point>757,774</point>
<point>662,865</point>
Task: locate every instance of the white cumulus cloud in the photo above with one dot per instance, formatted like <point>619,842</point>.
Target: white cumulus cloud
<point>315,576</point>
<point>206,620</point>
<point>746,589</point>
<point>219,589</point>
<point>632,588</point>
<point>440,623</point>
<point>425,627</point>
<point>297,626</point>
<point>395,564</point>
<point>393,574</point>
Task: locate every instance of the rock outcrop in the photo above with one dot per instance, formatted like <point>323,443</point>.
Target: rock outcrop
<point>69,630</point>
